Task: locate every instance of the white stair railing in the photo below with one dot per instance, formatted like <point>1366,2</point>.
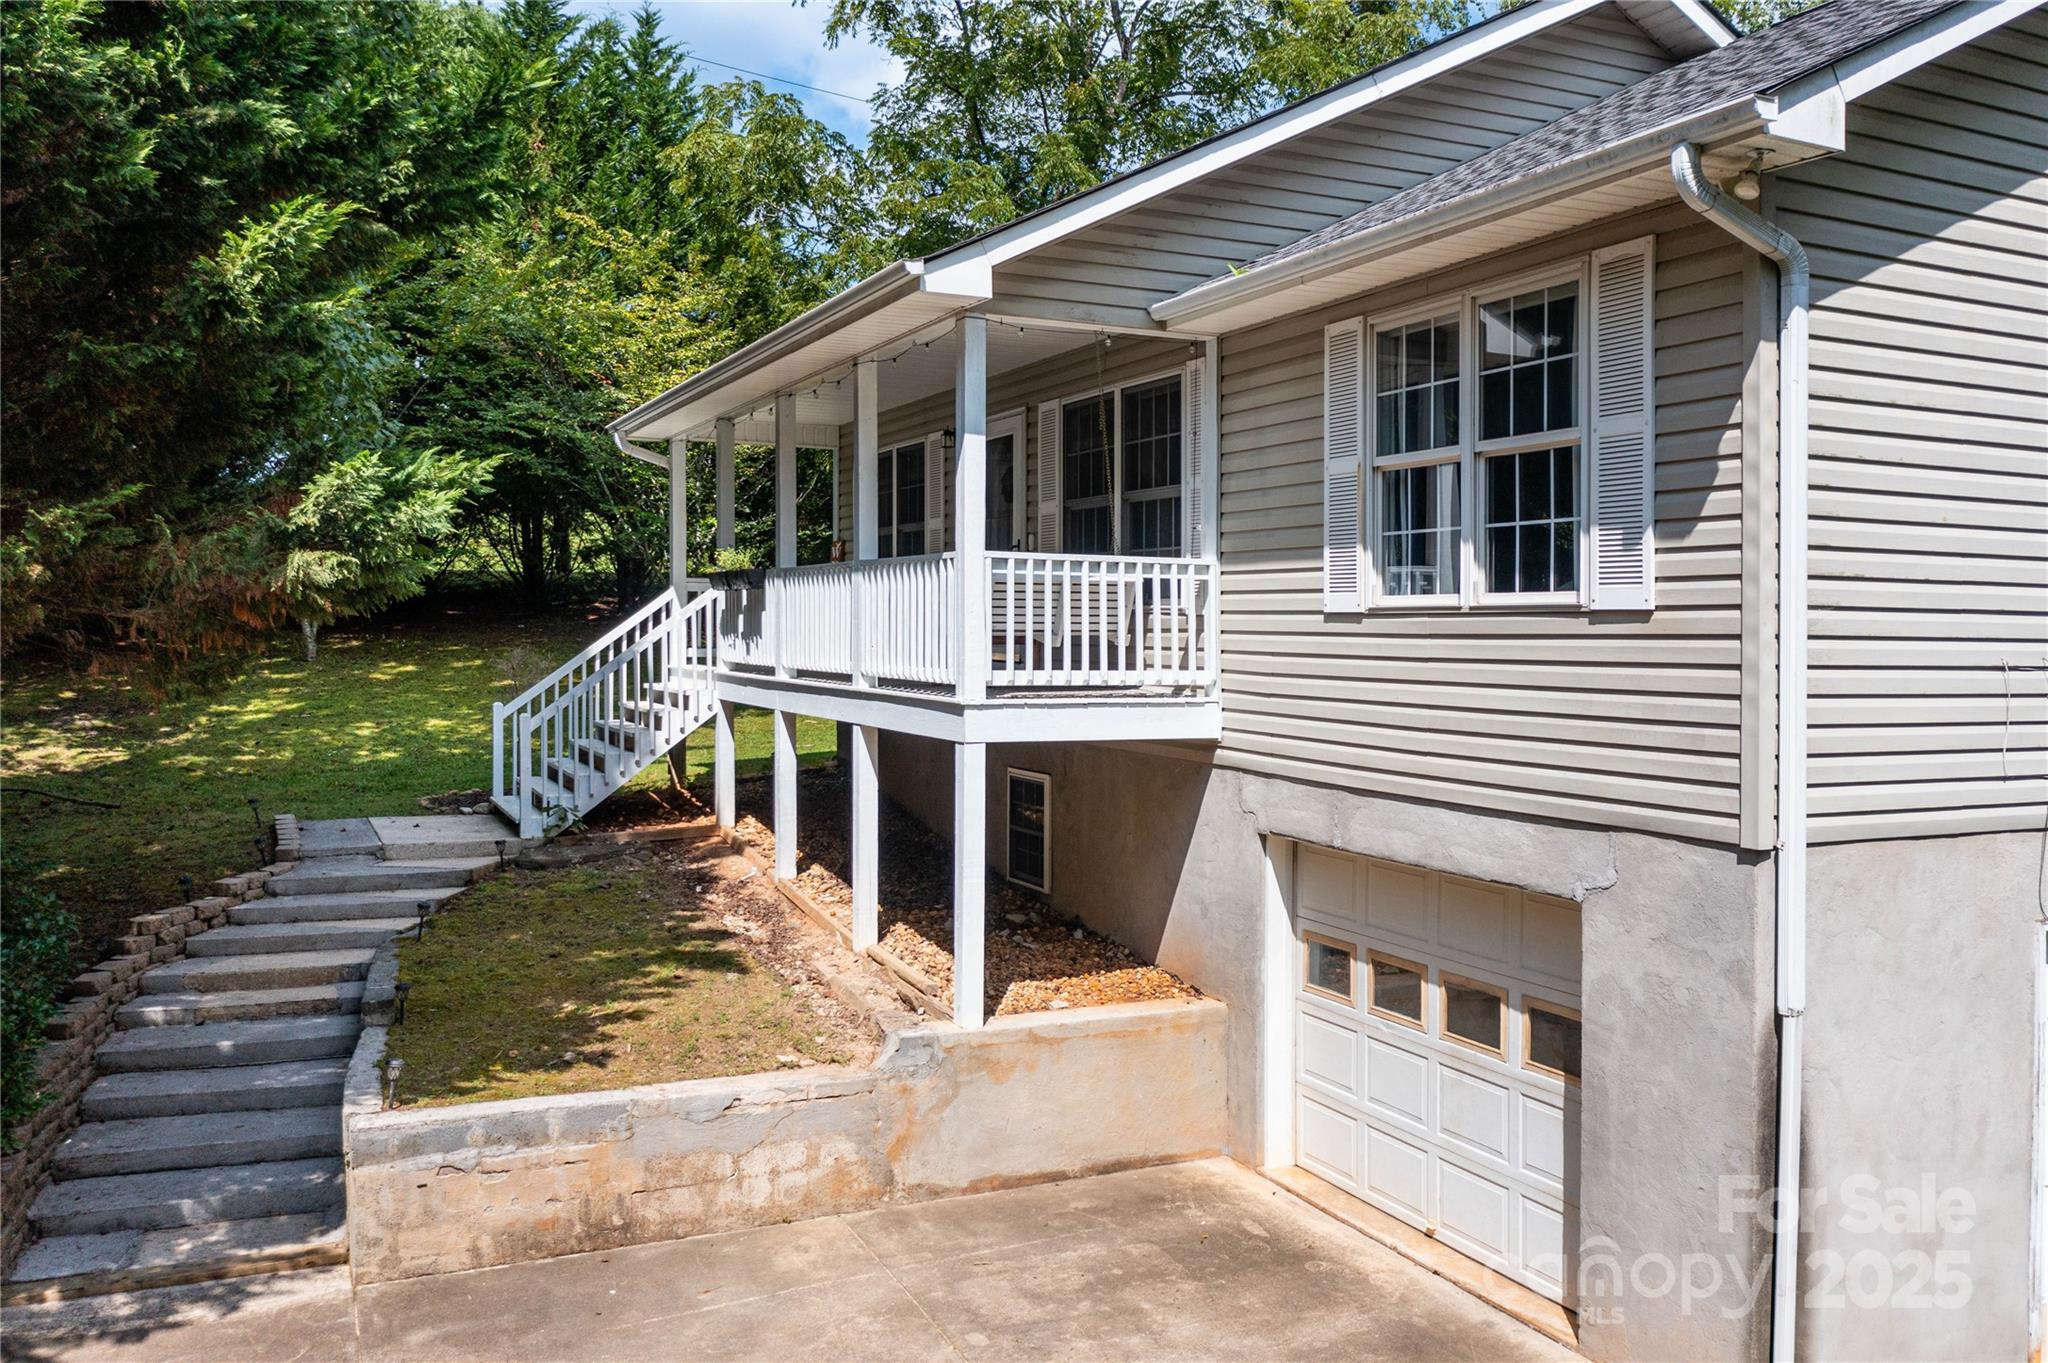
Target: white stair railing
<point>599,719</point>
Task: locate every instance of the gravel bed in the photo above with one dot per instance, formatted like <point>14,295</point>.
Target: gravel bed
<point>1035,959</point>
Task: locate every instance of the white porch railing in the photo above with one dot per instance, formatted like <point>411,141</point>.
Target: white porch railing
<point>1055,621</point>
<point>620,704</point>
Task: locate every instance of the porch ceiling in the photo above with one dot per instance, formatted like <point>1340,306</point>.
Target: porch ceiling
<point>913,366</point>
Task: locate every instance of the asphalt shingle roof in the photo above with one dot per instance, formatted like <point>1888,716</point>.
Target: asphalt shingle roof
<point>1747,67</point>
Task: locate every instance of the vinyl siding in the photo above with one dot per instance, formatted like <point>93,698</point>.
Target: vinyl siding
<point>1929,516</point>
<point>1114,271</point>
<point>1082,370</point>
<point>1631,722</point>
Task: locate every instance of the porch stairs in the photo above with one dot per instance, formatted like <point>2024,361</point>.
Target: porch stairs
<point>210,1145</point>
<point>600,719</point>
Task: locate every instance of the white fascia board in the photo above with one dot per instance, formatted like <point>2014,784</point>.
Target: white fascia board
<point>1856,75</point>
<point>1647,148</point>
<point>1076,719</point>
<point>1162,177</point>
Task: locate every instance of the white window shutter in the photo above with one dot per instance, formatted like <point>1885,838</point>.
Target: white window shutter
<point>1194,465</point>
<point>1623,439</point>
<point>1049,478</point>
<point>935,493</point>
<point>1343,465</point>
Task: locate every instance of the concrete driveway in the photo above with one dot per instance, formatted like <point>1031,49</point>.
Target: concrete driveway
<point>1191,1261</point>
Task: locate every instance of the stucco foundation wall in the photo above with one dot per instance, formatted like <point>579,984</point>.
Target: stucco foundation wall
<point>1167,854</point>
<point>1920,1039</point>
<point>943,1111</point>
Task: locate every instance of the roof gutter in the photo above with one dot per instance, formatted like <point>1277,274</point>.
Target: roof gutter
<point>883,287</point>
<point>1644,150</point>
<point>635,449</point>
<point>1768,239</point>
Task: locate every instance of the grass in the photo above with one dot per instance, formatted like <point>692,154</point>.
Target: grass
<point>390,712</point>
<point>598,977</point>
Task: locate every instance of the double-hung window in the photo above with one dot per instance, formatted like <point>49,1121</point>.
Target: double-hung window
<point>899,501</point>
<point>1477,435</point>
<point>1121,470</point>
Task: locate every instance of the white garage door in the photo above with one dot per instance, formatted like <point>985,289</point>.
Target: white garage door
<point>1437,1056</point>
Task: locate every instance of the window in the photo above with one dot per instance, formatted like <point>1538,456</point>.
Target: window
<point>1397,989</point>
<point>899,501</point>
<point>1001,494</point>
<point>1551,1039</point>
<point>1120,470</point>
<point>1475,1014</point>
<point>1326,967</point>
<point>1477,469</point>
<point>1030,829</point>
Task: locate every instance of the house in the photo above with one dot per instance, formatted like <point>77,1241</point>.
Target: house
<point>1522,574</point>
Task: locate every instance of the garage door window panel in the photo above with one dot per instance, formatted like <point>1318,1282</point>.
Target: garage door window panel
<point>1328,968</point>
<point>1399,991</point>
<point>1475,1015</point>
<point>1550,1039</point>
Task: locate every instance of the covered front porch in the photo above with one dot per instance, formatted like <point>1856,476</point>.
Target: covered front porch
<point>1043,573</point>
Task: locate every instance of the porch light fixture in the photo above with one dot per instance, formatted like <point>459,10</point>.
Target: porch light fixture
<point>1749,186</point>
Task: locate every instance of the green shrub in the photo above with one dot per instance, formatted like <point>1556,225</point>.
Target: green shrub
<point>35,959</point>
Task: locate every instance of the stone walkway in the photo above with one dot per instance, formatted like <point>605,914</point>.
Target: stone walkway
<point>211,1143</point>
<point>1188,1262</point>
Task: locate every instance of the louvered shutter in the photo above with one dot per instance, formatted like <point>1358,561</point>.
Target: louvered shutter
<point>1194,464</point>
<point>1343,464</point>
<point>1623,576</point>
<point>935,493</point>
<point>1049,478</point>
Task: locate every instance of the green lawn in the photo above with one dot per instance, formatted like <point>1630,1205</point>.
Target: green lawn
<point>596,977</point>
<point>389,713</point>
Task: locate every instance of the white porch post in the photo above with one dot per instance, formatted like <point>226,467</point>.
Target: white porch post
<point>867,745</point>
<point>723,799</point>
<point>785,481</point>
<point>678,513</point>
<point>970,879</point>
<point>866,509</point>
<point>725,482</point>
<point>785,794</point>
<point>970,508</point>
<point>678,578</point>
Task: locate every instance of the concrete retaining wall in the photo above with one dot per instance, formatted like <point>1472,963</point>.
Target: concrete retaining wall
<point>943,1111</point>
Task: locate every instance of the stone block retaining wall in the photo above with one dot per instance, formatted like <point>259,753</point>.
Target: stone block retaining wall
<point>1026,1099</point>
<point>75,1032</point>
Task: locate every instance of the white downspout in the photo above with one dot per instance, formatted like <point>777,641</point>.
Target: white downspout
<point>1701,195</point>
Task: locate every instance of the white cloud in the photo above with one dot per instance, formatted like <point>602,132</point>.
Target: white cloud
<point>777,39</point>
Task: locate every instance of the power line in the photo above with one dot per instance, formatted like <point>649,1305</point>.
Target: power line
<point>783,80</point>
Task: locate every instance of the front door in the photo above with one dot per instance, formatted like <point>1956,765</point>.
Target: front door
<point>1005,525</point>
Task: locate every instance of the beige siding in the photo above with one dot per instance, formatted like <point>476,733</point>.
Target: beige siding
<point>1085,369</point>
<point>1929,521</point>
<point>1628,721</point>
<point>1115,270</point>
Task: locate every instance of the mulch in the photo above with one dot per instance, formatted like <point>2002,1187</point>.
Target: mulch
<point>1035,958</point>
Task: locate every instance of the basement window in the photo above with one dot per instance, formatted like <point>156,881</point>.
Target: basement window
<point>1030,826</point>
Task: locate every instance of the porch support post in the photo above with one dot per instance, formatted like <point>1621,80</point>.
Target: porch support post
<point>785,481</point>
<point>723,800</point>
<point>678,514</point>
<point>866,509</point>
<point>970,509</point>
<point>725,481</point>
<point>867,750</point>
<point>785,794</point>
<point>970,879</point>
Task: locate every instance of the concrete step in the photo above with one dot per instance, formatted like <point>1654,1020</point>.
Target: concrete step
<point>353,875</point>
<point>240,1005</point>
<point>436,837</point>
<point>338,838</point>
<point>67,1266</point>
<point>265,939</point>
<point>282,970</point>
<point>234,1088</point>
<point>187,1197</point>
<point>331,908</point>
<point>229,1043</point>
<point>142,1145</point>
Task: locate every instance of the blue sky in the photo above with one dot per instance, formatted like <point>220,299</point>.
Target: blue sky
<point>777,39</point>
